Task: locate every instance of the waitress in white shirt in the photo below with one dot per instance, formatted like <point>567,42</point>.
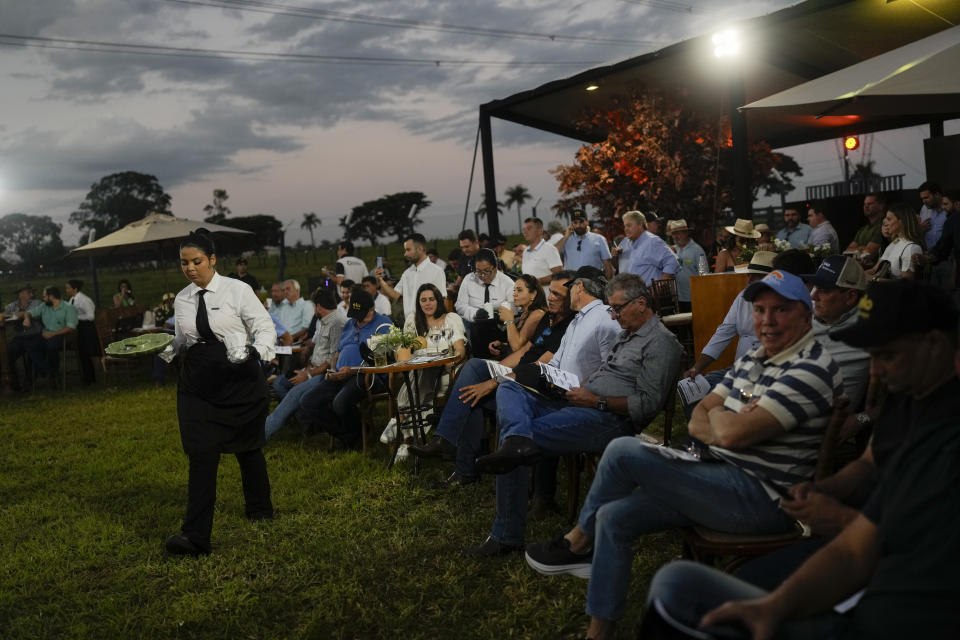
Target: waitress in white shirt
<point>221,393</point>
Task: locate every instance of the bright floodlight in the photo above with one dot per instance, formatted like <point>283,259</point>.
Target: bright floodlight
<point>593,87</point>
<point>726,43</point>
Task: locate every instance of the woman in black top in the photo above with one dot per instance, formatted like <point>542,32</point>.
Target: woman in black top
<point>221,392</point>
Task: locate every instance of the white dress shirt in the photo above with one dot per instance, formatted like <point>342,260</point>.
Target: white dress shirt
<point>587,341</point>
<point>84,306</point>
<point>416,275</point>
<point>471,294</point>
<point>232,308</point>
<point>381,304</point>
<point>541,260</point>
<point>342,309</point>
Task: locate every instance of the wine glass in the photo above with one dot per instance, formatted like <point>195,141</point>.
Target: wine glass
<point>448,334</point>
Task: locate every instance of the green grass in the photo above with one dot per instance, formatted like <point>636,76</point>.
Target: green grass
<point>94,481</point>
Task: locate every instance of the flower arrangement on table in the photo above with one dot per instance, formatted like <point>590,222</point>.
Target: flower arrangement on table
<point>165,310</point>
<point>395,340</point>
<point>817,252</point>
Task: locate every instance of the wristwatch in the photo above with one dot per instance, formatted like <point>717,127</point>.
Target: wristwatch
<point>602,404</point>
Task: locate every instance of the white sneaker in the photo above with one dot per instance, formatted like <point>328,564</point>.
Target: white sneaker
<point>390,433</point>
<point>402,453</point>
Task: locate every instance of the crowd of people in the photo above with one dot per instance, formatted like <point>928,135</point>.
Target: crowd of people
<point>560,345</point>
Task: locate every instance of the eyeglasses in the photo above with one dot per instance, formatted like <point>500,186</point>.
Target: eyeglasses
<point>579,244</point>
<point>485,272</point>
<point>616,309</point>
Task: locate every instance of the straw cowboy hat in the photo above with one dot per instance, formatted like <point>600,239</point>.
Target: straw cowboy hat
<point>761,262</point>
<point>677,225</point>
<point>762,228</point>
<point>744,229</point>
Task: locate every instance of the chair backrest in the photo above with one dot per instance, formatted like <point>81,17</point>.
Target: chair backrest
<point>664,294</point>
<point>828,446</point>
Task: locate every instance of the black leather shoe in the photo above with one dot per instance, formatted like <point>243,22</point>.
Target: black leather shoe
<point>180,545</point>
<point>491,549</point>
<point>437,448</point>
<point>515,451</point>
<point>455,480</point>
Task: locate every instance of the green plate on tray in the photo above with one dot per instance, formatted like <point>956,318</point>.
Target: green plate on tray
<point>144,345</point>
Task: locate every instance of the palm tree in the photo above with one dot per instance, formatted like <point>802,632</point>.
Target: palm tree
<point>310,220</point>
<point>481,210</point>
<point>517,195</point>
<point>866,173</point>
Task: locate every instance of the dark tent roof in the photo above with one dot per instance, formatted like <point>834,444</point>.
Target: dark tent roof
<point>782,50</point>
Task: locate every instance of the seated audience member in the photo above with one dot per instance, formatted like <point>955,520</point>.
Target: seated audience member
<point>837,286</point>
<point>865,245</point>
<point>763,422</point>
<point>901,549</point>
<point>332,404</point>
<point>504,257</point>
<point>435,258</point>
<point>87,342</point>
<point>618,397</point>
<point>460,429</point>
<point>25,335</point>
<point>124,295</point>
<point>742,235</point>
<point>902,229</point>
<point>293,311</point>
<point>764,242</point>
<point>517,268</point>
<point>326,341</point>
<point>452,269</point>
<point>434,323</point>
<point>381,303</point>
<point>346,286</point>
<point>795,233</point>
<point>241,273</point>
<point>737,323</point>
<point>58,319</point>
<point>530,300</point>
<point>276,298</point>
<point>480,296</point>
<point>421,271</point>
<point>823,231</point>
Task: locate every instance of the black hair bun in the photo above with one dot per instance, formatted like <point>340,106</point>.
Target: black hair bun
<point>201,239</point>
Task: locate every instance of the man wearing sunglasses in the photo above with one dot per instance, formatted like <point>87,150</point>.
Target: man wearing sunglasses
<point>583,248</point>
<point>620,397</point>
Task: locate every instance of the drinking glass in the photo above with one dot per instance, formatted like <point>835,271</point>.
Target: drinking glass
<point>379,358</point>
<point>702,267</point>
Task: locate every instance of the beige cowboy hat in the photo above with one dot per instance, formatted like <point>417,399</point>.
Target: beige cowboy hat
<point>744,229</point>
<point>761,262</point>
<point>762,228</point>
<point>677,225</point>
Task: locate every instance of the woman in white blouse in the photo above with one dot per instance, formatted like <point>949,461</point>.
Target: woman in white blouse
<point>441,329</point>
<point>901,227</point>
<point>222,396</point>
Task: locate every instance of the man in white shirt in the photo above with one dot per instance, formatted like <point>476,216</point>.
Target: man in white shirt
<point>349,267</point>
<point>481,293</point>
<point>86,330</point>
<point>540,259</point>
<point>346,286</point>
<point>422,271</point>
<point>583,248</point>
<point>381,304</point>
<point>294,312</point>
<point>823,232</point>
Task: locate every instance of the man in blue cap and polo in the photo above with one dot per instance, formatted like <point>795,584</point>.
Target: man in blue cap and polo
<point>762,426</point>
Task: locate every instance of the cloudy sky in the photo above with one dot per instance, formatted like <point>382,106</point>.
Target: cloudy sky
<point>320,127</point>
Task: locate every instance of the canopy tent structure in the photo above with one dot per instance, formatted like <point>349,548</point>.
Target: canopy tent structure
<point>922,77</point>
<point>149,232</point>
<point>779,51</point>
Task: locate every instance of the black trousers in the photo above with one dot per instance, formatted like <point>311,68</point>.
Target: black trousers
<point>88,348</point>
<point>19,347</point>
<point>202,492</point>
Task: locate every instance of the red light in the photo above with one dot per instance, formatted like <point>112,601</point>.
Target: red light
<point>851,142</point>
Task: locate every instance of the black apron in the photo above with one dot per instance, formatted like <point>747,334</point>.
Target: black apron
<point>221,406</point>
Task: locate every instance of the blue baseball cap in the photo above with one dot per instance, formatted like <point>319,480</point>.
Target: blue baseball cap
<point>786,284</point>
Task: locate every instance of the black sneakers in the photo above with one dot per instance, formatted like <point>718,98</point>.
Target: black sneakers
<point>555,557</point>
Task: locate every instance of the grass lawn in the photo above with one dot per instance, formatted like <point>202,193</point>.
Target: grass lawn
<point>94,481</point>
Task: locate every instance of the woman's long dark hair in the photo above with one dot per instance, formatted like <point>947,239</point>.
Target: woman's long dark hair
<point>419,317</point>
<point>124,281</point>
<point>539,298</point>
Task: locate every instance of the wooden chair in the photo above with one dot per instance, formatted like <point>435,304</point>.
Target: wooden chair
<point>664,294</point>
<point>706,545</point>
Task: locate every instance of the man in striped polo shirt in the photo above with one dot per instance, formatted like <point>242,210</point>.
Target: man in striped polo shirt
<point>762,425</point>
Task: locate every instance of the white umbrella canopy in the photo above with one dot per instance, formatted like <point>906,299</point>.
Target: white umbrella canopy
<point>922,77</point>
<point>152,229</point>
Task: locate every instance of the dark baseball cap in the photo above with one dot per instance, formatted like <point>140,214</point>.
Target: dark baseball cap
<point>587,273</point>
<point>889,310</point>
<point>838,271</point>
<point>360,304</point>
<point>578,215</point>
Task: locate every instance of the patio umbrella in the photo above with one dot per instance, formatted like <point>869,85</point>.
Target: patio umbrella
<point>151,231</point>
<point>922,77</point>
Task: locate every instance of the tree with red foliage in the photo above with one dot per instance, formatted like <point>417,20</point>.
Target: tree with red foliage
<point>660,155</point>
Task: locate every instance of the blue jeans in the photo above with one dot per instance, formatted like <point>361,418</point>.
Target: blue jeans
<point>462,424</point>
<point>289,403</point>
<point>557,429</point>
<point>637,491</point>
<point>342,397</point>
<point>688,590</point>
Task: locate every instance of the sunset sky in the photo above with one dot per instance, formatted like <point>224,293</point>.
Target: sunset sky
<point>286,135</point>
